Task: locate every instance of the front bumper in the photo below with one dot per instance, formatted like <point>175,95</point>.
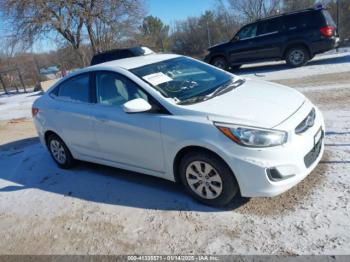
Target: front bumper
<point>252,166</point>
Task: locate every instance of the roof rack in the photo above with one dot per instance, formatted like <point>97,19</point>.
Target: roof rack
<point>317,7</point>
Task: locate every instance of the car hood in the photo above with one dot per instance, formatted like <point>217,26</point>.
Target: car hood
<point>257,103</point>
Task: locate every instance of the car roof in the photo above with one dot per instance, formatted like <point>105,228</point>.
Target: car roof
<point>303,11</point>
<point>137,61</point>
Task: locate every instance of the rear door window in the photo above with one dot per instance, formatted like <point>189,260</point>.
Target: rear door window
<point>328,18</point>
<point>269,26</point>
<point>303,20</point>
<point>75,89</point>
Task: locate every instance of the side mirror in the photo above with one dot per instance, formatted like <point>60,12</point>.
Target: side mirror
<point>136,106</point>
<point>235,38</point>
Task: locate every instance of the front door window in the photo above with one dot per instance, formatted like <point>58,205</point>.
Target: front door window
<point>247,32</point>
<point>115,90</point>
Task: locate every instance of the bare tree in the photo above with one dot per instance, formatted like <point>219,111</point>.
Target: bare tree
<point>195,34</point>
<point>251,10</point>
<point>154,33</point>
<point>35,19</point>
<point>228,21</point>
<point>293,5</point>
<point>188,38</point>
<point>108,21</point>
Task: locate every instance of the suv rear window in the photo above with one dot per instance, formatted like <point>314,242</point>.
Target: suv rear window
<point>328,18</point>
<point>304,20</point>
<point>270,26</point>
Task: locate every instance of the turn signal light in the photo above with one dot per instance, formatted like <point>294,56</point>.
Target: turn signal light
<point>35,111</point>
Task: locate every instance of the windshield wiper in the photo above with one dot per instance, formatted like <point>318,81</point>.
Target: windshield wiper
<point>226,88</point>
<point>192,100</point>
<point>220,90</point>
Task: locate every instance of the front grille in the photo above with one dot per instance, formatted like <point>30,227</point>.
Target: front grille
<point>311,157</point>
<point>307,122</point>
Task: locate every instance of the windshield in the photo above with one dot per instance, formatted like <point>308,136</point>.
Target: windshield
<point>182,78</point>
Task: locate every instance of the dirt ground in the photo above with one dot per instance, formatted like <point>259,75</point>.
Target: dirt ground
<point>99,210</point>
<point>316,80</point>
<point>18,129</point>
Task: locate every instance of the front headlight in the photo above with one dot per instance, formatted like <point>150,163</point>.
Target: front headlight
<point>251,136</point>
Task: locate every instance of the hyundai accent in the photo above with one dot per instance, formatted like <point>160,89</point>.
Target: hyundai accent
<point>180,119</point>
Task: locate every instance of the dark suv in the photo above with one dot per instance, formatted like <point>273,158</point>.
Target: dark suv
<point>295,37</point>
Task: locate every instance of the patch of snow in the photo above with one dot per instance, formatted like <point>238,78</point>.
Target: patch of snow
<point>14,106</point>
<point>322,87</point>
<point>322,64</point>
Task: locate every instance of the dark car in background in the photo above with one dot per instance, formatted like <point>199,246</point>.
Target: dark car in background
<point>295,37</point>
<point>116,54</point>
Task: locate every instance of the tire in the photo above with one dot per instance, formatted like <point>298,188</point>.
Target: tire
<point>220,62</point>
<point>297,56</point>
<point>219,178</point>
<point>235,67</point>
<point>60,152</point>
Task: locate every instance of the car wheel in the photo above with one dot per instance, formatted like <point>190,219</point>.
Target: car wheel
<point>220,62</point>
<point>208,179</point>
<point>235,67</point>
<point>297,56</point>
<point>60,152</point>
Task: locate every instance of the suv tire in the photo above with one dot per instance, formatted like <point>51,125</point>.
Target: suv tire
<point>220,62</point>
<point>297,56</point>
<point>208,179</point>
<point>235,67</point>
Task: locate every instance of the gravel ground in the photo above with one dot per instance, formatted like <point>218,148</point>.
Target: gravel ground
<point>94,209</point>
<point>317,80</point>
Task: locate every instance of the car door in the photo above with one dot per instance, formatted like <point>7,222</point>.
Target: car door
<point>243,45</point>
<point>72,118</point>
<point>270,39</point>
<point>131,140</point>
<point>304,27</point>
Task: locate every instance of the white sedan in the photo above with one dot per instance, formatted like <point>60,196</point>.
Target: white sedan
<point>177,118</point>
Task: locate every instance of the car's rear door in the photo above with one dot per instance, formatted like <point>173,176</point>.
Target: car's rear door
<point>70,114</point>
<point>270,38</point>
<point>304,28</point>
<point>128,140</point>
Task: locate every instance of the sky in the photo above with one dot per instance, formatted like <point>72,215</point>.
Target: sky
<point>171,10</point>
<point>168,11</point>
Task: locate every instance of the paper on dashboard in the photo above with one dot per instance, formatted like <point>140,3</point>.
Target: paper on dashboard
<point>157,78</point>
